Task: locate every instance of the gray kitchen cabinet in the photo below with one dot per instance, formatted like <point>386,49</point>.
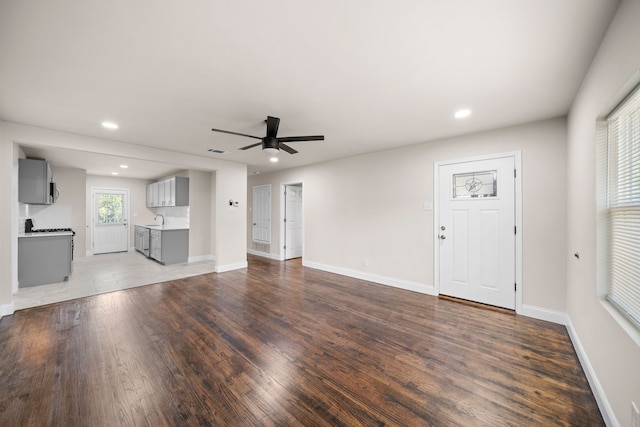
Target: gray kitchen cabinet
<point>169,192</point>
<point>35,182</point>
<point>152,195</point>
<point>44,259</point>
<point>169,246</point>
<point>142,236</point>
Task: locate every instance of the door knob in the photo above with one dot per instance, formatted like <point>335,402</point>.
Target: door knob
<point>442,237</point>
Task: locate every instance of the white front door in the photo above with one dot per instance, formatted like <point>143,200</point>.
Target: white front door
<point>476,231</point>
<point>110,223</point>
<point>293,221</point>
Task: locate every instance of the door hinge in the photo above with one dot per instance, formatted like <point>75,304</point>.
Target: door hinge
<point>515,173</point>
<point>515,229</point>
<point>515,286</point>
<point>284,247</point>
<point>285,220</point>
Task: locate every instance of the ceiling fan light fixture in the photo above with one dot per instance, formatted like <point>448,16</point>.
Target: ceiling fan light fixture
<point>110,125</point>
<point>462,114</point>
<point>273,159</point>
<point>271,151</point>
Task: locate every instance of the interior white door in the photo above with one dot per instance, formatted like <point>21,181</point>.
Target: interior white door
<point>110,221</point>
<point>477,245</point>
<point>294,224</point>
<point>262,213</point>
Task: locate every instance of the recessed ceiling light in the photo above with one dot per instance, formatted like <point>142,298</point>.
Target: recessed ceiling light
<point>273,160</point>
<point>124,166</point>
<point>115,173</point>
<point>461,114</point>
<point>109,125</point>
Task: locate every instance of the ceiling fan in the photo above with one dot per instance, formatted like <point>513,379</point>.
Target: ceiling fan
<point>271,143</point>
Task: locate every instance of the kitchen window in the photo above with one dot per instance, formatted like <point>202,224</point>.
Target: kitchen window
<point>619,208</point>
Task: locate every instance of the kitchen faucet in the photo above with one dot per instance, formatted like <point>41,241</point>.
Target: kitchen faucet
<point>162,218</point>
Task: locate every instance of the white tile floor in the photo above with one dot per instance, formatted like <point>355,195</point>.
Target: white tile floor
<point>104,273</point>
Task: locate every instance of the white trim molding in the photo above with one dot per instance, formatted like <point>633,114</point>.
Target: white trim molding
<point>388,281</point>
<point>264,254</point>
<point>598,392</point>
<point>6,310</point>
<point>201,258</point>
<point>231,267</point>
<point>544,314</point>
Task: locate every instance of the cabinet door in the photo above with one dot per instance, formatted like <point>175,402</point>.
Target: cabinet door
<point>156,245</point>
<point>150,196</point>
<point>170,192</point>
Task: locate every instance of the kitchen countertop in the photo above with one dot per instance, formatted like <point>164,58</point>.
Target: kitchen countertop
<point>162,227</point>
<point>51,234</point>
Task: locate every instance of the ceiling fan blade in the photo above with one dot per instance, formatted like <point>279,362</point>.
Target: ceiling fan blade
<point>287,149</point>
<point>235,133</point>
<point>301,138</point>
<point>272,126</point>
<point>250,146</point>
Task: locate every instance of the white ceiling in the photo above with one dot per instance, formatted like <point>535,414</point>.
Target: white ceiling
<point>369,75</point>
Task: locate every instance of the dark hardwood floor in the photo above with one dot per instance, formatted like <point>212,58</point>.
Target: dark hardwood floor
<point>279,344</point>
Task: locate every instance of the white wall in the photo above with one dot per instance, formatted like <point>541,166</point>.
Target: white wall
<point>612,354</point>
<point>72,186</point>
<point>8,241</point>
<point>200,222</point>
<point>371,207</point>
<point>231,244</point>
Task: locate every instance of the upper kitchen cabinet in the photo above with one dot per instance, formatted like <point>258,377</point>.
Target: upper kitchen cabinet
<point>35,182</point>
<point>169,192</point>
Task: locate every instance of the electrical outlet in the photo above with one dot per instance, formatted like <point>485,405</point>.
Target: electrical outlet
<point>635,415</point>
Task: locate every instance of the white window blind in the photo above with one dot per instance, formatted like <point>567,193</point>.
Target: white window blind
<point>623,207</point>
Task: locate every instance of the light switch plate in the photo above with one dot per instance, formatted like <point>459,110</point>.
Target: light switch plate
<point>427,206</point>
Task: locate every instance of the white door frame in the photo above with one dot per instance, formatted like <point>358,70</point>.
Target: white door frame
<point>282,225</point>
<point>93,213</point>
<point>517,157</point>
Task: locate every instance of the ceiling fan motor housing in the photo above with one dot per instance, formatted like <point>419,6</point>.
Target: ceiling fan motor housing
<point>270,142</point>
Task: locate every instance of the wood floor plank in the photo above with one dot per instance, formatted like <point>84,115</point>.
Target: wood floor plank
<point>283,345</point>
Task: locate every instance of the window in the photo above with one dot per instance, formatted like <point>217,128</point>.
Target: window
<point>475,184</point>
<point>619,207</point>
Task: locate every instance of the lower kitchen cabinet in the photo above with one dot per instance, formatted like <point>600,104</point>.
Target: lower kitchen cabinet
<point>142,239</point>
<point>169,246</point>
<point>44,259</point>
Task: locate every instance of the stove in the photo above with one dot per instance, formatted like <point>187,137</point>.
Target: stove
<point>52,230</point>
<point>58,230</point>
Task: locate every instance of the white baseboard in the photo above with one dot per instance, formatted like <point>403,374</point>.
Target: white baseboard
<point>6,310</point>
<point>598,392</point>
<point>544,314</point>
<point>264,254</point>
<point>230,267</point>
<point>201,258</point>
<point>396,283</point>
